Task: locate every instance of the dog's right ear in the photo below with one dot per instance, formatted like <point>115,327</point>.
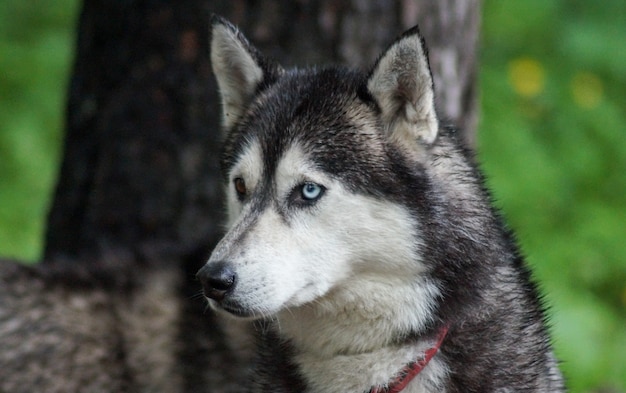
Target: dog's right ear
<point>239,68</point>
<point>402,84</point>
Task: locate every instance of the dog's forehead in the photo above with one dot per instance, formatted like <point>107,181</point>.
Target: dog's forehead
<point>327,113</point>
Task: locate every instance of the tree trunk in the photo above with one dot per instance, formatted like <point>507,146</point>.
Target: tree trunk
<point>140,165</point>
<point>140,171</point>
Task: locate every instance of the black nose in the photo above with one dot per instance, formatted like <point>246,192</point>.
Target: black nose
<point>217,279</point>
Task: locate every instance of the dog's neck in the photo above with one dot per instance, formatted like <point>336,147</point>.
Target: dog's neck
<point>349,346</point>
<point>408,367</point>
<point>400,381</point>
<point>345,323</point>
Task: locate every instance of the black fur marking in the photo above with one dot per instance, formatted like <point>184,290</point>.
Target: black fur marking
<point>312,109</point>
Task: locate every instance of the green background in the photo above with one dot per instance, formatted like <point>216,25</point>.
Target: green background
<point>551,139</point>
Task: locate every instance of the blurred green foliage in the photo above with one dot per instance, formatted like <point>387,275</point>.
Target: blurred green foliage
<point>36,42</point>
<point>551,140</point>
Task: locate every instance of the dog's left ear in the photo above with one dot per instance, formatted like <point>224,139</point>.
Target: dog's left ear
<point>402,85</point>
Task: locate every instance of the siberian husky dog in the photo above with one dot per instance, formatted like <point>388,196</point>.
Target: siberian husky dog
<point>361,239</point>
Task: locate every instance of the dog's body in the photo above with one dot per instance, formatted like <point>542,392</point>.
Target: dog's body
<point>68,330</point>
<point>361,237</point>
<point>111,325</point>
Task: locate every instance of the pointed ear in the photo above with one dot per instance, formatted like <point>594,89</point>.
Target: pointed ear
<point>239,68</point>
<point>402,85</point>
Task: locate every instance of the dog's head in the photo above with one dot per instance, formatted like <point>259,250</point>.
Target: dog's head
<point>320,174</point>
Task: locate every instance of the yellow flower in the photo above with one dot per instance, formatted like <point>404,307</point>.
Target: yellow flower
<point>527,76</point>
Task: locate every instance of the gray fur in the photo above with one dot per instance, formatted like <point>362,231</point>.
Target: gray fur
<point>106,326</point>
<point>89,338</point>
<point>404,240</point>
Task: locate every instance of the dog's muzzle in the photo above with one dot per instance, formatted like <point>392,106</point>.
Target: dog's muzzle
<point>217,278</point>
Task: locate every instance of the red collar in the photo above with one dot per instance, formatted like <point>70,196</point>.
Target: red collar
<point>410,371</point>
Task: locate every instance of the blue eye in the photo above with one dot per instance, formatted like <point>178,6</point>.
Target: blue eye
<point>311,191</point>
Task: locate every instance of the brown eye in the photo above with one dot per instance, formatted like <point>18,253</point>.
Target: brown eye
<point>240,187</point>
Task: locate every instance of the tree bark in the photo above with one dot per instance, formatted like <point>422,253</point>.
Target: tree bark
<point>139,169</point>
<point>450,28</point>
